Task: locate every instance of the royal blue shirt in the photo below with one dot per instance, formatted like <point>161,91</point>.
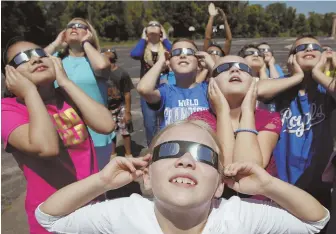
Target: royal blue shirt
<point>139,50</point>
<point>305,142</point>
<point>279,70</point>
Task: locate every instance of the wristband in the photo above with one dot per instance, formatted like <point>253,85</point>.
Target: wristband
<point>245,130</point>
<point>83,42</point>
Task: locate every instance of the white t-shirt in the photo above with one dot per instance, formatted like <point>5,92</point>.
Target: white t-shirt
<point>135,214</point>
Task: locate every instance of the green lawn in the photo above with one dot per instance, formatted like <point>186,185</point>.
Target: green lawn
<point>107,44</point>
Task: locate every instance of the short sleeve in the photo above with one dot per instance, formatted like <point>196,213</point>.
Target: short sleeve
<point>127,83</point>
<point>13,115</point>
<point>164,90</point>
<point>268,121</point>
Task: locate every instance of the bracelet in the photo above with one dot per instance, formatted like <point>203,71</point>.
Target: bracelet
<point>83,42</point>
<point>245,130</point>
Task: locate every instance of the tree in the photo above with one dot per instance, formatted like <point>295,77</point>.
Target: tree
<point>301,25</point>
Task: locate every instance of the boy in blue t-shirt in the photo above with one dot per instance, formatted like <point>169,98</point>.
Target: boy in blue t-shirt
<point>177,102</point>
<point>305,101</point>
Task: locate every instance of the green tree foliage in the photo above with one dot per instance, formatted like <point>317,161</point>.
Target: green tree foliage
<point>117,20</point>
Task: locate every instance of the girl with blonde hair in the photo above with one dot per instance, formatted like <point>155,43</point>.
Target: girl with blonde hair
<point>78,47</point>
<point>187,181</point>
<point>152,45</point>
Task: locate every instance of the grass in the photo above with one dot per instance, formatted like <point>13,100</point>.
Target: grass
<point>105,43</point>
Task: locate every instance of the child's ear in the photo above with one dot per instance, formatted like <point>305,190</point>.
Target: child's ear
<point>147,179</point>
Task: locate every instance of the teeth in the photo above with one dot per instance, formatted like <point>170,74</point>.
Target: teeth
<point>183,181</point>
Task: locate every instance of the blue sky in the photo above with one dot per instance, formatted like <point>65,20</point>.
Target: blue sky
<point>305,6</point>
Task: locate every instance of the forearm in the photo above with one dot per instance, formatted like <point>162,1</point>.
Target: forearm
<point>167,44</point>
<point>269,88</point>
<point>97,60</point>
<point>128,102</point>
<point>202,76</point>
<point>73,196</point>
<point>208,33</point>
<point>95,115</point>
<point>273,71</point>
<point>51,48</point>
<point>139,49</point>
<point>148,81</point>
<point>263,74</point>
<point>42,134</point>
<point>327,82</point>
<point>228,37</point>
<point>246,147</point>
<point>225,136</point>
<point>294,200</point>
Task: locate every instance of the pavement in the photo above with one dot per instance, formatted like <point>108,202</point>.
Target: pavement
<point>13,185</point>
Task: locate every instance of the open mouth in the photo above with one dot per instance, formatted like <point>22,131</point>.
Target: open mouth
<point>235,79</point>
<point>73,33</point>
<point>183,63</point>
<point>309,56</point>
<point>183,180</point>
<point>40,68</point>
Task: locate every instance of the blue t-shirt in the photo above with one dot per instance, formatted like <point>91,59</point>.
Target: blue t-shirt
<point>179,103</point>
<point>170,77</point>
<point>305,143</point>
<point>81,73</point>
<point>278,68</point>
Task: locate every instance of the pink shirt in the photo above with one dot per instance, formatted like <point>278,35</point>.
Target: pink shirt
<point>76,159</point>
<point>264,121</point>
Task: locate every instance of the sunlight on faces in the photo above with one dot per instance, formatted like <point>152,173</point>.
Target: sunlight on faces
<point>309,58</point>
<point>255,62</point>
<point>184,64</point>
<point>75,34</point>
<point>153,29</point>
<point>268,54</point>
<point>329,51</point>
<point>214,56</point>
<point>223,79</point>
<point>170,195</point>
<point>27,69</point>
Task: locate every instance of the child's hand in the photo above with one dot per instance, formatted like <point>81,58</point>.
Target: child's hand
<point>270,60</point>
<point>164,34</point>
<point>216,97</point>
<point>250,101</point>
<point>16,83</point>
<point>61,76</point>
<point>144,35</point>
<point>222,14</point>
<point>121,171</point>
<point>164,60</point>
<point>320,65</point>
<point>205,59</point>
<point>213,11</point>
<point>246,177</point>
<point>60,42</point>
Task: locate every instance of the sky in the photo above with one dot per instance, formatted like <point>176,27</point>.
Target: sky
<point>304,7</point>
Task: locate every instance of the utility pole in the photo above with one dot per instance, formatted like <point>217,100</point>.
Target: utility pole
<point>333,31</point>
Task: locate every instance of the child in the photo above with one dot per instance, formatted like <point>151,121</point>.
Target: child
<point>119,101</point>
<point>186,178</point>
<point>46,128</point>
<point>305,101</point>
<point>177,102</point>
